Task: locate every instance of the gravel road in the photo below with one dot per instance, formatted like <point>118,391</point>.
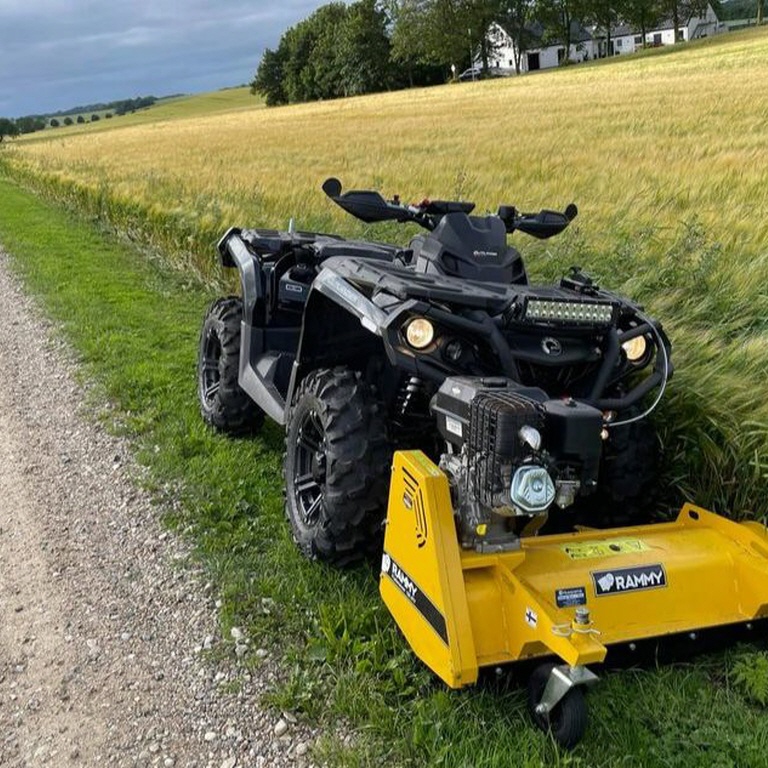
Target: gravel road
<point>103,623</point>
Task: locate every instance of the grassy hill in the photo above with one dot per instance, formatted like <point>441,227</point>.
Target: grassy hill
<point>664,152</point>
<point>170,108</point>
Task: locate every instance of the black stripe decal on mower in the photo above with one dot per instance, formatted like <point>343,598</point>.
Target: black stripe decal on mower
<point>410,589</point>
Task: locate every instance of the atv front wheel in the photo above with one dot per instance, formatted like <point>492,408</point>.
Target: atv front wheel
<point>223,404</point>
<point>629,474</point>
<point>337,466</point>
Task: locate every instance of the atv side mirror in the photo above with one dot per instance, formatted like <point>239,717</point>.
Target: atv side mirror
<point>332,187</point>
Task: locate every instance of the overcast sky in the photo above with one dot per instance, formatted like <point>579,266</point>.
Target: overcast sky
<point>57,54</point>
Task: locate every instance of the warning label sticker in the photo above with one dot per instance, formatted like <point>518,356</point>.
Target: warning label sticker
<point>588,550</point>
<point>571,596</point>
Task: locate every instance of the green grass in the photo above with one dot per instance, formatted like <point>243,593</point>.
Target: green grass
<point>134,323</point>
<point>213,103</point>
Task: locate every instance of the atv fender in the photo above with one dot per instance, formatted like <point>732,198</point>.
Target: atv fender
<point>233,252</point>
<point>261,363</point>
<point>341,326</point>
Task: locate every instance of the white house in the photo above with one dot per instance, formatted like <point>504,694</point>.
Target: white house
<point>692,28</point>
<point>623,40</point>
<point>592,43</point>
<point>541,56</point>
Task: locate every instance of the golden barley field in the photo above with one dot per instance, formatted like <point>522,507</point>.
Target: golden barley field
<point>666,154</point>
<point>650,140</point>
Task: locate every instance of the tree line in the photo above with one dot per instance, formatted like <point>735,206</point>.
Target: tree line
<point>377,45</point>
<point>10,128</point>
<point>31,123</point>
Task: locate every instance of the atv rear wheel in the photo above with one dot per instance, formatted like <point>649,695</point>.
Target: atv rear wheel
<point>223,404</point>
<point>337,466</point>
<point>568,719</point>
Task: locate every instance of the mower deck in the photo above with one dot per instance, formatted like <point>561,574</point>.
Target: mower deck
<point>570,595</point>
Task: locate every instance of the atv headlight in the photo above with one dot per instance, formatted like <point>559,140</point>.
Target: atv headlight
<point>635,349</point>
<point>420,333</point>
<point>559,311</point>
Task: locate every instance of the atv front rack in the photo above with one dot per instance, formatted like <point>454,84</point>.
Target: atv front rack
<point>568,595</point>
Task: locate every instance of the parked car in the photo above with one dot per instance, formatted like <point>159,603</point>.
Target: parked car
<point>477,73</point>
<point>473,73</point>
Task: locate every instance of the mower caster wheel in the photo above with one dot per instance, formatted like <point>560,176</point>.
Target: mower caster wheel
<point>567,720</point>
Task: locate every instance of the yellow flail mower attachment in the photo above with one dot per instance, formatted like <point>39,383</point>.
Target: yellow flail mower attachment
<point>569,596</point>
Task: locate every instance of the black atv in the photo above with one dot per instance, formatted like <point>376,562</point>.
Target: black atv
<point>532,398</point>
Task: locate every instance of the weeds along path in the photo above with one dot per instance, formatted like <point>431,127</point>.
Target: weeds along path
<point>103,621</point>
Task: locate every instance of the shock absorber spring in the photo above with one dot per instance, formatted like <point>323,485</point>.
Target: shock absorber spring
<point>410,389</point>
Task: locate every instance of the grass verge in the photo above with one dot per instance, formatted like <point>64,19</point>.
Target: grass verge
<point>134,324</point>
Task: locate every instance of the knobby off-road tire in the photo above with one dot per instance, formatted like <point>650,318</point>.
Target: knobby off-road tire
<point>628,483</point>
<point>629,474</point>
<point>337,467</point>
<point>567,722</point>
<point>223,404</point>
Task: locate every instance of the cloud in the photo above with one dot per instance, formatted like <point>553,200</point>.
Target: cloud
<point>56,54</point>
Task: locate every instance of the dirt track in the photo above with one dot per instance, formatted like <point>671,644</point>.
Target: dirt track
<point>103,622</point>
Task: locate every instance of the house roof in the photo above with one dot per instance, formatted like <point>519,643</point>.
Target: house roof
<point>684,19</point>
<point>579,34</point>
<point>582,34</point>
<point>622,30</point>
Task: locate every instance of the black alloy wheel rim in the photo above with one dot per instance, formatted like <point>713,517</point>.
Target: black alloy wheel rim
<point>210,375</point>
<point>310,466</point>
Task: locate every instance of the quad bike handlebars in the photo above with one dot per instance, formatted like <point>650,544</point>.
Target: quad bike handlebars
<point>369,206</point>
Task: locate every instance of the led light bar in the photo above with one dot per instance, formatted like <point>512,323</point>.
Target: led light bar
<point>559,311</point>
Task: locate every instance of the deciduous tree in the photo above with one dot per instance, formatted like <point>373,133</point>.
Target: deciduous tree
<point>30,124</point>
<point>409,47</point>
<point>269,79</point>
<point>364,53</point>
<point>603,14</point>
<point>515,19</point>
<point>642,14</point>
<point>8,127</point>
<point>339,50</point>
<point>558,17</point>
